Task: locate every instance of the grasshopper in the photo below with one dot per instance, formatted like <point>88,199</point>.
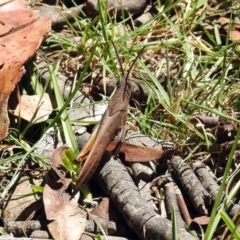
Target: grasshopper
<point>111,123</point>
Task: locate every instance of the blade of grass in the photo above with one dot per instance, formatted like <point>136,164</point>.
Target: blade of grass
<point>65,122</point>
<point>211,110</point>
<point>103,13</point>
<point>215,218</point>
<point>230,224</point>
<point>77,86</point>
<point>158,89</point>
<point>174,224</point>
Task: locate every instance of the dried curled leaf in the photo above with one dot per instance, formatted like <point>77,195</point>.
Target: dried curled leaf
<point>34,108</point>
<point>66,222</point>
<point>21,34</point>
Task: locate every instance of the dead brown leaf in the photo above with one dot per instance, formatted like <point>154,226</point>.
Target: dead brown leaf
<point>203,220</point>
<point>226,21</point>
<point>235,35</point>
<point>56,160</point>
<point>21,33</point>
<point>21,207</point>
<point>66,221</point>
<point>106,210</point>
<point>234,31</point>
<point>34,108</point>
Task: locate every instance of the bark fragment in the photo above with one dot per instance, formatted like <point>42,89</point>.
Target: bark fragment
<point>126,6</point>
<point>226,131</point>
<point>110,227</point>
<point>206,179</point>
<point>117,183</point>
<point>58,17</point>
<point>212,187</point>
<point>183,208</point>
<point>207,121</point>
<point>172,204</point>
<point>199,197</point>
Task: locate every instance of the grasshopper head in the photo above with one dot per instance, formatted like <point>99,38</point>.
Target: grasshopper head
<point>125,86</point>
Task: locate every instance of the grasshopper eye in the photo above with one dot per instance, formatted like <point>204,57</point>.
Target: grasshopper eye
<point>118,83</point>
<point>121,83</point>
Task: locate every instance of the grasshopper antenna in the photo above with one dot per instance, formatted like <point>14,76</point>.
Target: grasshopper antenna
<point>126,77</point>
<point>118,57</point>
<point>129,70</point>
<point>134,62</point>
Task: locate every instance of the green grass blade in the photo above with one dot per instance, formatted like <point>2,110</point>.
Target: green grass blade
<point>230,224</point>
<point>174,224</point>
<point>65,122</point>
<point>215,218</point>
